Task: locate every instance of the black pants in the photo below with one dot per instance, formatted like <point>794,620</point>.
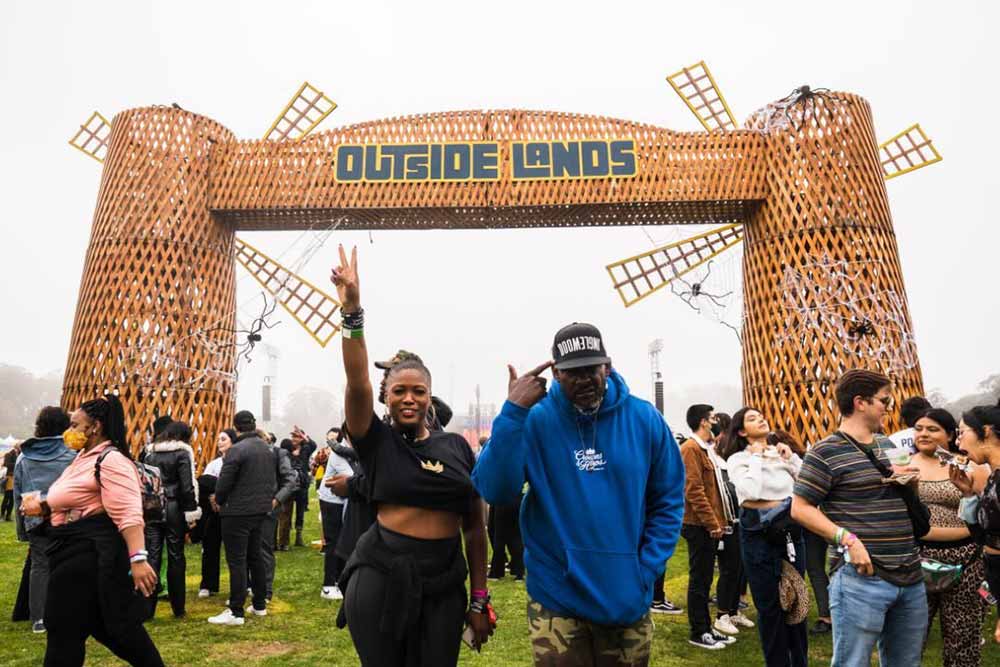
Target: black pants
<point>268,535</point>
<point>730,582</point>
<point>333,520</point>
<point>168,535</point>
<point>441,621</point>
<point>816,549</point>
<point>702,549</point>
<point>211,551</point>
<point>992,566</point>
<point>783,645</point>
<point>7,506</point>
<point>242,537</point>
<point>507,538</point>
<point>72,614</point>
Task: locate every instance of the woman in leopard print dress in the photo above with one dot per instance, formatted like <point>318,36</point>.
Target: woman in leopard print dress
<point>962,609</point>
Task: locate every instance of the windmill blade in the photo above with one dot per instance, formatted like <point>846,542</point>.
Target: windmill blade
<point>307,109</point>
<point>697,88</point>
<point>92,137</point>
<point>908,151</point>
<point>637,277</point>
<point>311,307</point>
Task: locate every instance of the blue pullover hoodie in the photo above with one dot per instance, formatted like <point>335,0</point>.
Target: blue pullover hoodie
<point>606,498</point>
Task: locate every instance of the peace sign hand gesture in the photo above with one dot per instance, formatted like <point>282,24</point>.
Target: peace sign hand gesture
<point>345,277</point>
<point>528,389</point>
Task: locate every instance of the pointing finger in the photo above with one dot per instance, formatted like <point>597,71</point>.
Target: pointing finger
<point>539,369</point>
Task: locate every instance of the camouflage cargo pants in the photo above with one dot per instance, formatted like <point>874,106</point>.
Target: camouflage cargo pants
<point>561,641</point>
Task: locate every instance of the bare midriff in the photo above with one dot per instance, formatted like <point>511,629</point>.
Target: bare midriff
<point>761,504</point>
<point>418,522</point>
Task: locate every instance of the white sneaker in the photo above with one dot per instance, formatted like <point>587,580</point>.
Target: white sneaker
<point>724,624</point>
<point>204,593</point>
<point>257,612</point>
<point>226,618</point>
<point>741,620</point>
<point>331,593</point>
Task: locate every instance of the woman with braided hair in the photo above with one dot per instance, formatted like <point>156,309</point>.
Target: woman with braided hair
<point>99,577</point>
<point>404,586</point>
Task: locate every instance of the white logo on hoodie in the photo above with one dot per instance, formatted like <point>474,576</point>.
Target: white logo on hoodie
<point>590,460</point>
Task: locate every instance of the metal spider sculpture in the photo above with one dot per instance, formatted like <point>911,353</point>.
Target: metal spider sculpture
<point>861,329</point>
<point>809,99</point>
<point>697,289</point>
<point>251,336</point>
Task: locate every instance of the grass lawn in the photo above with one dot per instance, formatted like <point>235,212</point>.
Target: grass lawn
<point>300,632</point>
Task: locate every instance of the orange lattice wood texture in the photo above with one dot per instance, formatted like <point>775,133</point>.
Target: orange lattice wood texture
<point>156,312</point>
<point>821,253</point>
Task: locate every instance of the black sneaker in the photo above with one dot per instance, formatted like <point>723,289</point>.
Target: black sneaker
<point>821,628</point>
<point>724,639</point>
<point>665,607</point>
<point>707,641</point>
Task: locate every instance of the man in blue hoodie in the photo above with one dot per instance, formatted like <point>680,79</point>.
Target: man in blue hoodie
<point>42,460</point>
<point>603,511</point>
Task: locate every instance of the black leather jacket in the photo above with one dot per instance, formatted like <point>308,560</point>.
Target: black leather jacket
<point>175,461</point>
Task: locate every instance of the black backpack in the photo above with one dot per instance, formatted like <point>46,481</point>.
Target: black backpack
<point>154,499</point>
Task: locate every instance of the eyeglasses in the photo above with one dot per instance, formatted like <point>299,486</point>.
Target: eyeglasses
<point>886,401</point>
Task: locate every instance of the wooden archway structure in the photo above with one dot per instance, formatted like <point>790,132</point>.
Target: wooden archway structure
<point>156,309</point>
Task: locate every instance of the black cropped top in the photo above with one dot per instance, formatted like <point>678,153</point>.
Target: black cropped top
<point>433,473</point>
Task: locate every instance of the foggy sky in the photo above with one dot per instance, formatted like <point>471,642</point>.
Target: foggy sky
<point>472,301</point>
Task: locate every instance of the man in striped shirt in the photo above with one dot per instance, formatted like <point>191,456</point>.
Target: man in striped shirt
<point>876,590</point>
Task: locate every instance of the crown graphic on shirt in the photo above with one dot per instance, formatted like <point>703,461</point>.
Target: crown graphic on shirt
<point>590,451</point>
<point>436,466</point>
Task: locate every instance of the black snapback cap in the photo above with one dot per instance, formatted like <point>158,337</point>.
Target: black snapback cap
<point>577,345</point>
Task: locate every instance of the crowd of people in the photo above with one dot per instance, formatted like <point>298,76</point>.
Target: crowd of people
<point>588,493</point>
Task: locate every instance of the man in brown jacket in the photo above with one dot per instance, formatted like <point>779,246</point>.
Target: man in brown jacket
<point>703,525</point>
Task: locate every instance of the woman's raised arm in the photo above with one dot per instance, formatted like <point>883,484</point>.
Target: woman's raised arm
<point>358,401</point>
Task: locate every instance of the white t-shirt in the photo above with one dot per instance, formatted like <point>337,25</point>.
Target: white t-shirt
<point>335,465</point>
<point>904,438</point>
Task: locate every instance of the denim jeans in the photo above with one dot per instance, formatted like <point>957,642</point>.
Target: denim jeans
<point>868,611</point>
<point>783,645</point>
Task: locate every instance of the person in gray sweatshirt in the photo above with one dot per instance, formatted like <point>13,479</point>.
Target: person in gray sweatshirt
<point>42,460</point>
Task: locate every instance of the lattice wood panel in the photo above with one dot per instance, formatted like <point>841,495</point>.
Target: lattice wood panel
<point>828,202</point>
<point>908,151</point>
<point>696,86</point>
<point>311,307</point>
<point>92,137</point>
<point>273,185</point>
<point>637,277</point>
<point>307,109</point>
<point>158,293</point>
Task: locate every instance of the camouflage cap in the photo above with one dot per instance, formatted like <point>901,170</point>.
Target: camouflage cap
<point>401,355</point>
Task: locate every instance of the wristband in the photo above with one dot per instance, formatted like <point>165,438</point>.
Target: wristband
<point>851,539</point>
<point>480,593</point>
<point>354,320</point>
<point>138,558</point>
<point>839,536</point>
<point>141,552</point>
<point>352,333</point>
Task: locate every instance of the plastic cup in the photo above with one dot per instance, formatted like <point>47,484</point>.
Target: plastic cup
<point>899,456</point>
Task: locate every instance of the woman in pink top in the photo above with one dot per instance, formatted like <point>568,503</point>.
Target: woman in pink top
<point>98,570</point>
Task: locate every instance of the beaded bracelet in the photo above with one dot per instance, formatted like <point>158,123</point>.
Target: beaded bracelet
<point>354,320</point>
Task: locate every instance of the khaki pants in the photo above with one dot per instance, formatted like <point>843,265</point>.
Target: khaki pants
<point>561,641</point>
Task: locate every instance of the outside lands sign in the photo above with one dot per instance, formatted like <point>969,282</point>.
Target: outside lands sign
<point>480,161</point>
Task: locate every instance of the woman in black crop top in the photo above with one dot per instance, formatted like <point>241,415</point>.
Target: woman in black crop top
<point>979,439</point>
<point>404,585</point>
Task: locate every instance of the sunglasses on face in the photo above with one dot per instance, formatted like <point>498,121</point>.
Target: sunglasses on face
<point>886,401</point>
